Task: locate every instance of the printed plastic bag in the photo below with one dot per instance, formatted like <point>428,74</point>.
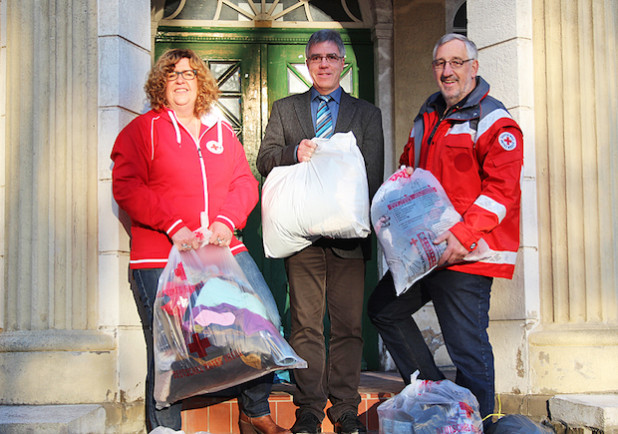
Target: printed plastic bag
<point>211,330</point>
<point>408,213</point>
<point>430,407</point>
<point>325,196</point>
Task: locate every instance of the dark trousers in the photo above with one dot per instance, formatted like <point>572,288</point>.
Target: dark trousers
<point>318,280</point>
<point>252,396</point>
<point>461,302</point>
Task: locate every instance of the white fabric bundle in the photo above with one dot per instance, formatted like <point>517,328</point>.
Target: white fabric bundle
<point>325,196</point>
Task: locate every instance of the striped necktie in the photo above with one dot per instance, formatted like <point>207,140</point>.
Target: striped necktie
<point>324,121</point>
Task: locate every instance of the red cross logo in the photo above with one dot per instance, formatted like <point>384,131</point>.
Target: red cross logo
<point>179,272</point>
<point>214,147</point>
<point>198,346</point>
<point>507,141</point>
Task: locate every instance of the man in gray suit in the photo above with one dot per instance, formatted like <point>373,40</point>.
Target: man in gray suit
<point>331,272</point>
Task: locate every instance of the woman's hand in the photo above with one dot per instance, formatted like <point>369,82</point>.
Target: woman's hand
<point>185,240</point>
<point>221,234</point>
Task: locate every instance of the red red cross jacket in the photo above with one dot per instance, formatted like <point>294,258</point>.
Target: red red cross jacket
<point>476,152</point>
<point>164,180</point>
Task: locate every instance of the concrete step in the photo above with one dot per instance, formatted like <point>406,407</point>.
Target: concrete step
<point>220,415</point>
<point>56,419</point>
<point>586,412</point>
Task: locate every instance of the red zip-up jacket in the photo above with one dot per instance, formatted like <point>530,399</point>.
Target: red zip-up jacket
<point>475,150</point>
<point>165,181</point>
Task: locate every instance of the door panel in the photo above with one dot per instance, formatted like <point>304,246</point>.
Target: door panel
<point>252,74</point>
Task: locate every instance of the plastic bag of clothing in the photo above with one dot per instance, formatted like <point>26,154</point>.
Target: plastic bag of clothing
<point>211,330</point>
<point>408,213</point>
<point>327,196</point>
<point>430,407</point>
<point>517,424</point>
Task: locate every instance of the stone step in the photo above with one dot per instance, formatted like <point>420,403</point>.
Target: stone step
<point>587,412</point>
<point>220,415</point>
<point>56,419</point>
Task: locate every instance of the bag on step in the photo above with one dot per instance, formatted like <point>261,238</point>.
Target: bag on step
<point>430,407</point>
<point>517,424</point>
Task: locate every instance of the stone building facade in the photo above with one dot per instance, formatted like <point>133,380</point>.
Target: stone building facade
<point>72,75</point>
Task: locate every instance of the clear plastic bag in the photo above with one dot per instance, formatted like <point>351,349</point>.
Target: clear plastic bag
<point>325,196</point>
<point>211,330</point>
<point>430,407</point>
<point>408,213</point>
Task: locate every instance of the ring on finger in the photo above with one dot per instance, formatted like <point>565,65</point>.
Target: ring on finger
<point>219,241</point>
<point>185,246</point>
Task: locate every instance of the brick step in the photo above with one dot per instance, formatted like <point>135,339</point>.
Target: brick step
<point>220,415</point>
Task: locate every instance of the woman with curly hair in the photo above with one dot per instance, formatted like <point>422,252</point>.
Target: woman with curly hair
<point>178,168</point>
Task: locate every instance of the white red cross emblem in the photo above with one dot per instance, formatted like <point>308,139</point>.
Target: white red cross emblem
<point>507,141</point>
<point>214,147</point>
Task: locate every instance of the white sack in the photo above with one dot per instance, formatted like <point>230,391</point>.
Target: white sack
<point>325,196</point>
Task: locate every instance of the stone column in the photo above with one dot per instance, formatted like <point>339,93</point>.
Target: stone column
<point>3,86</point>
<point>382,13</point>
<point>576,115</point>
<point>50,340</point>
<point>124,40</point>
<point>554,327</point>
<point>503,35</point>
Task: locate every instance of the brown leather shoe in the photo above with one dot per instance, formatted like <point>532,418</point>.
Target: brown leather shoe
<point>260,425</point>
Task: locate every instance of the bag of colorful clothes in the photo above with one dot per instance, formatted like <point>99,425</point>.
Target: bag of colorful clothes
<point>211,330</point>
<point>430,407</point>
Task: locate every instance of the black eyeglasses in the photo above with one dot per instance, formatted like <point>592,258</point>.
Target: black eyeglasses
<point>330,58</point>
<point>455,63</point>
<point>189,74</point>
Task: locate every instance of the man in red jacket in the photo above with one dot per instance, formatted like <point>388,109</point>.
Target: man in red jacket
<point>471,144</point>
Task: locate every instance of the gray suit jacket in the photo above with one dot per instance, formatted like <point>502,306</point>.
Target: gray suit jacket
<point>290,122</point>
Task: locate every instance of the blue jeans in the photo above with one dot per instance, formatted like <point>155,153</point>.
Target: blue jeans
<point>252,396</point>
<point>461,302</point>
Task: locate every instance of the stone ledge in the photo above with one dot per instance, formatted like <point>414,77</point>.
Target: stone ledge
<point>594,335</point>
<point>533,406</point>
<point>56,340</point>
<point>84,418</point>
<point>573,360</point>
<point>586,411</point>
<point>58,377</point>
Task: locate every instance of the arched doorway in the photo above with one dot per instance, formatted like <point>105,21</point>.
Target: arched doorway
<point>256,51</point>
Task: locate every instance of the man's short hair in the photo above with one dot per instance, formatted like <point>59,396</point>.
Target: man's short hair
<point>470,46</point>
<point>325,35</point>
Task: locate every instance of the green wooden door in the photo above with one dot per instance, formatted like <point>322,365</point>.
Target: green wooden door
<point>287,74</point>
<point>254,69</point>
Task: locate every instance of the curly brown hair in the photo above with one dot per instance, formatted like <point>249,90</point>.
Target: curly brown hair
<point>207,89</point>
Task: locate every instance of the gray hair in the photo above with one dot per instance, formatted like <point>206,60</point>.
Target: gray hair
<point>470,46</point>
<point>325,35</point>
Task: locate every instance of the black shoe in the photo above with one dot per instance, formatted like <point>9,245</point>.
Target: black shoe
<point>349,423</point>
<point>307,423</point>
